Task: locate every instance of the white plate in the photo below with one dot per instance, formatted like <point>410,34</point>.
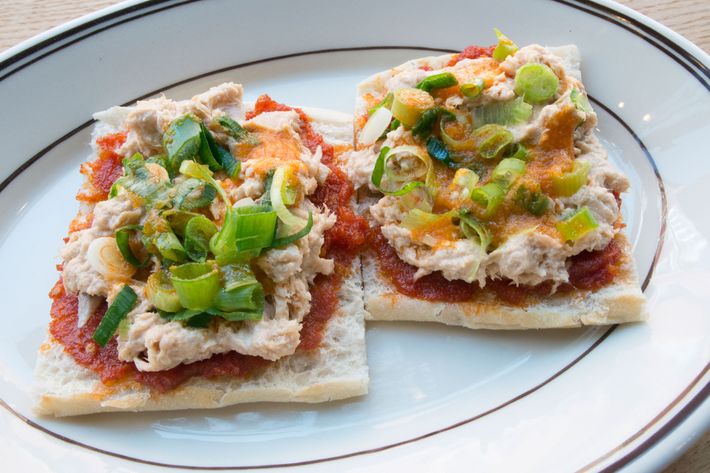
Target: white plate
<point>441,399</point>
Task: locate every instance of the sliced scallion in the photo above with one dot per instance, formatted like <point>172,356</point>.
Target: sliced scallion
<point>457,121</point>
<point>177,219</point>
<point>237,275</point>
<point>489,196</point>
<point>237,316</point>
<point>182,140</point>
<point>406,163</point>
<point>505,46</point>
<point>201,320</point>
<point>507,171</point>
<point>224,241</point>
<point>424,126</point>
<point>288,239</point>
<point>437,150</point>
<point>196,284</point>
<point>474,230</point>
<point>472,89</point>
<point>437,81</point>
<point>398,165</point>
<point>236,131</point>
<point>408,105</point>
<point>512,112</point>
<point>236,257</point>
<point>123,327</point>
<point>198,232</point>
<point>201,172</point>
<point>492,140</point>
<point>159,159</point>
<point>518,151</point>
<point>265,198</point>
<point>577,225</point>
<point>375,127</point>
<point>417,219</point>
<point>117,311</point>
<point>205,150</point>
<point>193,194</point>
<point>247,298</point>
<point>231,165</point>
<point>580,101</point>
<point>256,225</point>
<point>386,102</point>
<point>418,198</point>
<point>465,179</point>
<point>169,246</point>
<point>536,83</point>
<point>123,236</point>
<point>278,193</point>
<point>379,170</point>
<point>190,317</point>
<point>140,181</point>
<point>161,293</point>
<point>534,202</point>
<point>567,184</point>
<point>131,164</point>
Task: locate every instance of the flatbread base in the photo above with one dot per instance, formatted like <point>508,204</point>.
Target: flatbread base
<point>336,370</point>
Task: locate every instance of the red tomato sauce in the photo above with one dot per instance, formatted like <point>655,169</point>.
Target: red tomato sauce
<point>471,52</point>
<point>103,361</point>
<point>78,342</point>
<point>592,270</point>
<point>432,287</point>
<point>103,171</point>
<point>589,270</point>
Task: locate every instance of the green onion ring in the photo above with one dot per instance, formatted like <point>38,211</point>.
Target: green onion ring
<point>196,284</point>
<point>577,225</point>
<point>474,230</point>
<point>279,242</point>
<point>117,311</point>
<point>490,196</point>
<point>123,235</point>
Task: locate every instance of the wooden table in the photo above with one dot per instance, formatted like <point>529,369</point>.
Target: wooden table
<point>22,19</point>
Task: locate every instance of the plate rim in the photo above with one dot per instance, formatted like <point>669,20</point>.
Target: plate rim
<point>681,48</point>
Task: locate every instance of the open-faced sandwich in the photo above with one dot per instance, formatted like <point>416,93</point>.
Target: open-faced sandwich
<point>213,261</point>
<point>493,202</point>
<point>216,257</point>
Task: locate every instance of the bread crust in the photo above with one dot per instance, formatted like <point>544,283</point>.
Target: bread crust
<point>336,370</point>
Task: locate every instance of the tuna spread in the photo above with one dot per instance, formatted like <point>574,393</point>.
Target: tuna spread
<point>187,198</point>
<point>489,169</point>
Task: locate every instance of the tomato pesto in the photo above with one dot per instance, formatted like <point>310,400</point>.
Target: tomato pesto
<point>103,171</point>
<point>471,52</point>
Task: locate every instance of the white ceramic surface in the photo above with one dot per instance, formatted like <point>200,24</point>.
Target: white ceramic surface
<point>441,399</point>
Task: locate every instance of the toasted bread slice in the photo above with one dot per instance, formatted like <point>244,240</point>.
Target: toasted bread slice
<point>337,369</point>
<point>621,301</point>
